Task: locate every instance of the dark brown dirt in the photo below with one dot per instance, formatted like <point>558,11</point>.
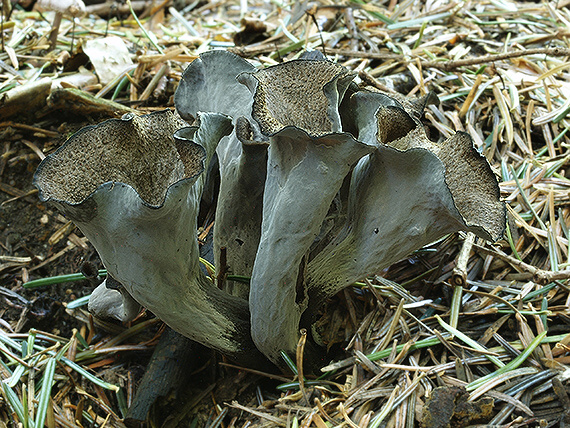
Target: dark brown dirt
<point>26,226</point>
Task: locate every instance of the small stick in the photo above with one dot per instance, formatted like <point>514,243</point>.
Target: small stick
<point>222,268</point>
<point>459,275</point>
<point>451,65</point>
<point>311,13</point>
<point>540,276</point>
<point>154,82</point>
<point>300,352</point>
<point>369,80</point>
<point>84,103</point>
<point>30,128</point>
<point>256,372</point>
<point>471,96</point>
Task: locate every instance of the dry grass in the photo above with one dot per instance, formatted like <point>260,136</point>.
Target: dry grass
<point>491,318</point>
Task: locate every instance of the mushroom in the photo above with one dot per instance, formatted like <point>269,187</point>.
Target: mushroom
<point>322,183</point>
<point>209,84</point>
<point>308,159</point>
<point>134,189</point>
<point>237,226</point>
<point>110,300</point>
<point>407,194</point>
<point>73,8</point>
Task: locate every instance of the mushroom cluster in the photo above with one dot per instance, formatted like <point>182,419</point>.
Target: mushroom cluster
<point>321,183</point>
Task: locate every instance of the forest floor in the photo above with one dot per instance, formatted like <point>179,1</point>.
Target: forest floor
<point>461,333</point>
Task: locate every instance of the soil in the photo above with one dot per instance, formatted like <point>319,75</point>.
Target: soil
<point>28,230</point>
<point>45,244</point>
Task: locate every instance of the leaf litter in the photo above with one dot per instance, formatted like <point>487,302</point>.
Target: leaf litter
<point>461,333</point>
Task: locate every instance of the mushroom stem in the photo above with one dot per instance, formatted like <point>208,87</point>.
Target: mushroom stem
<point>209,84</point>
<point>71,8</point>
<point>304,175</point>
<point>54,30</point>
<point>239,209</point>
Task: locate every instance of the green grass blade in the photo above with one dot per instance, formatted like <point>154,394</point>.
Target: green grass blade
<point>470,342</point>
<point>526,201</point>
<point>42,282</point>
<point>14,401</point>
<point>511,242</point>
<point>31,342</point>
<point>45,393</point>
<point>552,255</point>
<point>424,343</point>
<point>379,16</point>
<point>289,362</point>
<point>122,402</point>
<point>150,36</point>
<point>455,306</point>
<point>16,375</point>
<point>82,301</point>
<point>510,366</point>
<point>89,376</point>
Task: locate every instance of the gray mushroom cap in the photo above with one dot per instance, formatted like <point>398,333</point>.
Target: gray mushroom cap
<point>468,176</point>
<point>405,191</point>
<point>119,151</point>
<point>301,93</point>
<point>410,192</point>
<point>133,187</point>
<point>209,85</point>
<point>296,107</point>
